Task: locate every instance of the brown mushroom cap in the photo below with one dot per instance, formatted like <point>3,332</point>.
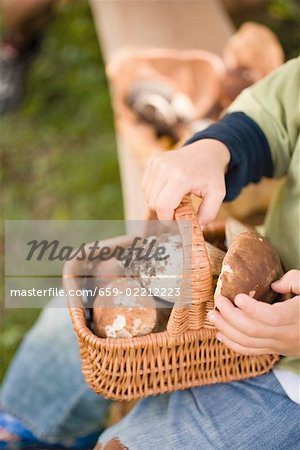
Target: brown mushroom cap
<point>250,266</point>
<point>124,316</point>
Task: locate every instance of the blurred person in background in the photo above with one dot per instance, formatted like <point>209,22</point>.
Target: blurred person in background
<point>24,22</point>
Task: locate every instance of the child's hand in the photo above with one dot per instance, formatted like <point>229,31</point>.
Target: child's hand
<point>256,328</point>
<point>198,168</point>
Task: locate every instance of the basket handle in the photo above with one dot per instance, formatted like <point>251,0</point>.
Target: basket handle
<point>197,288</point>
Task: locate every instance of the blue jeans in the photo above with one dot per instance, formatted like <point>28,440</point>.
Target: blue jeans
<point>44,386</point>
<point>254,414</point>
<point>45,389</point>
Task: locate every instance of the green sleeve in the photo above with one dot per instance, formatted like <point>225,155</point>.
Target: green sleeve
<point>273,103</point>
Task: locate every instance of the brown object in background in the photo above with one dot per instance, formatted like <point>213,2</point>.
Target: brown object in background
<point>237,8</point>
<point>252,203</point>
<point>234,228</point>
<point>254,47</point>
<point>249,267</point>
<point>234,82</point>
<point>24,20</point>
<point>249,55</point>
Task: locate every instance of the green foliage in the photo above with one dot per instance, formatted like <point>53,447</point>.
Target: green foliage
<point>284,19</point>
<point>285,9</point>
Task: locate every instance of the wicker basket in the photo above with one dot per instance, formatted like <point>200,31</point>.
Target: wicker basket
<point>187,354</point>
<point>195,73</point>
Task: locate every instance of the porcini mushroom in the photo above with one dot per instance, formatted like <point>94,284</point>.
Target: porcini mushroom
<point>127,314</point>
<point>162,277</point>
<point>250,266</point>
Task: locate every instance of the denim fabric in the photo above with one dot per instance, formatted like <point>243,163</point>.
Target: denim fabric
<point>45,389</point>
<point>44,386</point>
<point>254,414</point>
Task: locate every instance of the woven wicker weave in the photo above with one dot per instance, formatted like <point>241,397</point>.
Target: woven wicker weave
<point>187,354</point>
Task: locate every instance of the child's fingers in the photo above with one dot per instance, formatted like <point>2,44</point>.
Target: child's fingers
<point>238,336</point>
<point>288,283</point>
<point>240,321</point>
<point>168,200</point>
<point>147,180</point>
<point>157,185</point>
<point>276,315</point>
<point>210,205</point>
<point>152,187</point>
<point>150,174</point>
<point>242,349</point>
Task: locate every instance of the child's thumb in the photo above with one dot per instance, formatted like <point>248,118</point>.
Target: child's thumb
<point>288,283</point>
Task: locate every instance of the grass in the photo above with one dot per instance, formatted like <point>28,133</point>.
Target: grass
<point>58,152</point>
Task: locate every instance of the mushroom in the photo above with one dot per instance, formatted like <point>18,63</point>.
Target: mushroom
<point>160,105</point>
<point>106,271</point>
<point>250,266</point>
<point>127,314</point>
<point>164,276</point>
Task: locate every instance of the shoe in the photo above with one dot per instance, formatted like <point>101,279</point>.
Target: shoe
<point>14,436</point>
<point>14,63</point>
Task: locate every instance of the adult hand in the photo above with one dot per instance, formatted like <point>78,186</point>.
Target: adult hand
<point>198,168</point>
<point>255,328</point>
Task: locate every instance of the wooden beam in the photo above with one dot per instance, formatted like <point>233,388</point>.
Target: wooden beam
<point>179,24</point>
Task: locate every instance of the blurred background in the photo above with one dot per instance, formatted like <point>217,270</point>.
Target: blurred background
<point>58,150</point>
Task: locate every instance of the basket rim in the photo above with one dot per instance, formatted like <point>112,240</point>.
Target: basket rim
<point>157,53</point>
<point>159,339</point>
